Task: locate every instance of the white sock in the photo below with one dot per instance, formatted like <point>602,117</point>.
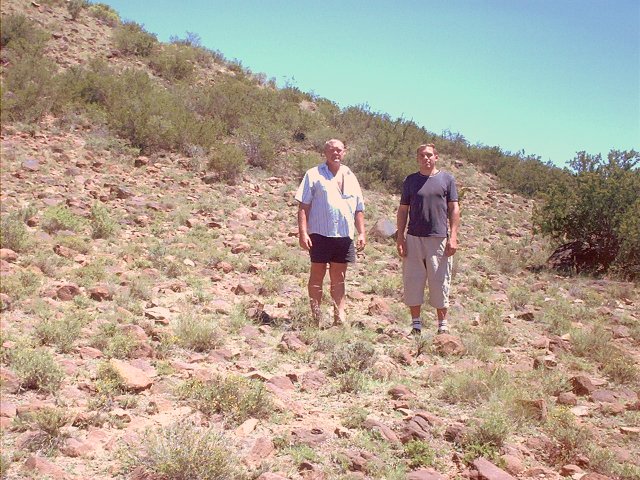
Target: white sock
<point>442,323</point>
<point>416,323</point>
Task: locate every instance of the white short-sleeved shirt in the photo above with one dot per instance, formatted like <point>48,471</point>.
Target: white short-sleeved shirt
<point>332,211</point>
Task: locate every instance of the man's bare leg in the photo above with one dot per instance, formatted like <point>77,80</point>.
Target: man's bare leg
<point>316,277</point>
<point>338,275</point>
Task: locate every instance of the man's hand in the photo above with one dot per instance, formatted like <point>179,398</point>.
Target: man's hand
<point>361,242</point>
<point>451,248</point>
<point>401,245</point>
<point>305,241</point>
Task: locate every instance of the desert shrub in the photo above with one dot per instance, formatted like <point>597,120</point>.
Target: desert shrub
<point>59,218</point>
<point>173,62</point>
<point>493,331</point>
<point>132,39</point>
<point>227,161</point>
<point>597,205</point>
<point>354,417</point>
<point>419,454</point>
<point>106,13</point>
<point>28,91</point>
<point>183,451</point>
<point>4,465</point>
<point>61,332</point>
<point>21,284</point>
<point>474,386</point>
<point>21,35</point>
<point>352,381</point>
<point>358,356</point>
<point>570,439</point>
<point>47,423</point>
<point>13,233</point>
<point>486,435</point>
<point>74,7</point>
<point>36,369</point>
<point>113,341</point>
<point>101,222</point>
<point>235,397</point>
<point>198,333</point>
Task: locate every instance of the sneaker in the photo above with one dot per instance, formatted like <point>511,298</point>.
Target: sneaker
<point>443,329</point>
<point>416,332</point>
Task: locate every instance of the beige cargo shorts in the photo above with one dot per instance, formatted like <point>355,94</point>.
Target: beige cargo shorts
<point>424,264</point>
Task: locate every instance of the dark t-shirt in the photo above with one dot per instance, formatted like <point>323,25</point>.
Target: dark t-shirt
<point>427,198</point>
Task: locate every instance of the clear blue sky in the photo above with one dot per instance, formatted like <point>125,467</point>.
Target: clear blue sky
<point>552,77</point>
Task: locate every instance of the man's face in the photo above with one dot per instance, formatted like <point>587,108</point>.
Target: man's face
<point>427,158</point>
<point>334,151</point>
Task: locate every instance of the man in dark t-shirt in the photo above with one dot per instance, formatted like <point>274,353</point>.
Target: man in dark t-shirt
<point>429,201</point>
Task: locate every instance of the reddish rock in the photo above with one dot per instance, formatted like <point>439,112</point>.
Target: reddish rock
<point>90,352</point>
<point>582,385</point>
<point>44,468</point>
<point>620,331</point>
<point>455,432</point>
<point>271,476</point>
<point>8,255</point>
<point>67,292</point>
<point>446,344</point>
<point>360,460</point>
<point>291,342</point>
<point>488,471</point>
<point>567,398</point>
<point>244,288</point>
<point>595,476</point>
<point>425,474</point>
<point>134,379</point>
<point>311,437</point>
<point>8,409</point>
<point>513,464</point>
<point>241,247</point>
<point>570,470</point>
<point>602,395</point>
<point>100,293</point>
<point>378,306</point>
<point>262,449</point>
<point>398,392</point>
<point>312,380</point>
<point>535,408</point>
<point>77,448</point>
<point>384,431</point>
<point>282,382</point>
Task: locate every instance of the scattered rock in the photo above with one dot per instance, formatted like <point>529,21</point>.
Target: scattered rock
<point>447,344</point>
<point>134,379</point>
<point>488,471</point>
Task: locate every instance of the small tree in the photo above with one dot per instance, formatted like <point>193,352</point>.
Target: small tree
<point>598,205</point>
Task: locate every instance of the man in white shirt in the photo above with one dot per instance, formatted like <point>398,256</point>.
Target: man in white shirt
<point>330,211</point>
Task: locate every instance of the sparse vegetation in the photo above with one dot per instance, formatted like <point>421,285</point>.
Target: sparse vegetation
<point>198,333</point>
<point>36,369</point>
<point>184,451</point>
<point>237,398</point>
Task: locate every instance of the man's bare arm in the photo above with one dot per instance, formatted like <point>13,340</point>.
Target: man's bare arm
<point>401,225</point>
<point>303,236</point>
<point>453,210</point>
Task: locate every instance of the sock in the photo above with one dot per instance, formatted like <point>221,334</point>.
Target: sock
<point>416,323</point>
<point>442,323</point>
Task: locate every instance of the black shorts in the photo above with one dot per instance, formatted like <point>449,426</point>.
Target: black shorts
<point>332,249</point>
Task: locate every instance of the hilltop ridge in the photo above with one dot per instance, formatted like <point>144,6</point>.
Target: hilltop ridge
<point>155,319</point>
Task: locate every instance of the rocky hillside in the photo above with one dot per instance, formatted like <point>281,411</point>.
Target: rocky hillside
<point>155,326</point>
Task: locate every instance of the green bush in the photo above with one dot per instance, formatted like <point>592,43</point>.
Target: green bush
<point>21,284</point>
<point>102,225</point>
<point>198,333</point>
<point>173,62</point>
<point>74,7</point>
<point>183,451</point>
<point>570,439</point>
<point>47,422</point>
<point>36,369</point>
<point>358,356</point>
<point>132,39</point>
<point>28,90</point>
<point>227,161</point>
<point>104,12</point>
<point>235,397</point>
<point>13,233</point>
<point>114,342</point>
<point>59,218</point>
<point>598,206</point>
<point>62,333</point>
<point>21,35</point>
<point>419,454</point>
